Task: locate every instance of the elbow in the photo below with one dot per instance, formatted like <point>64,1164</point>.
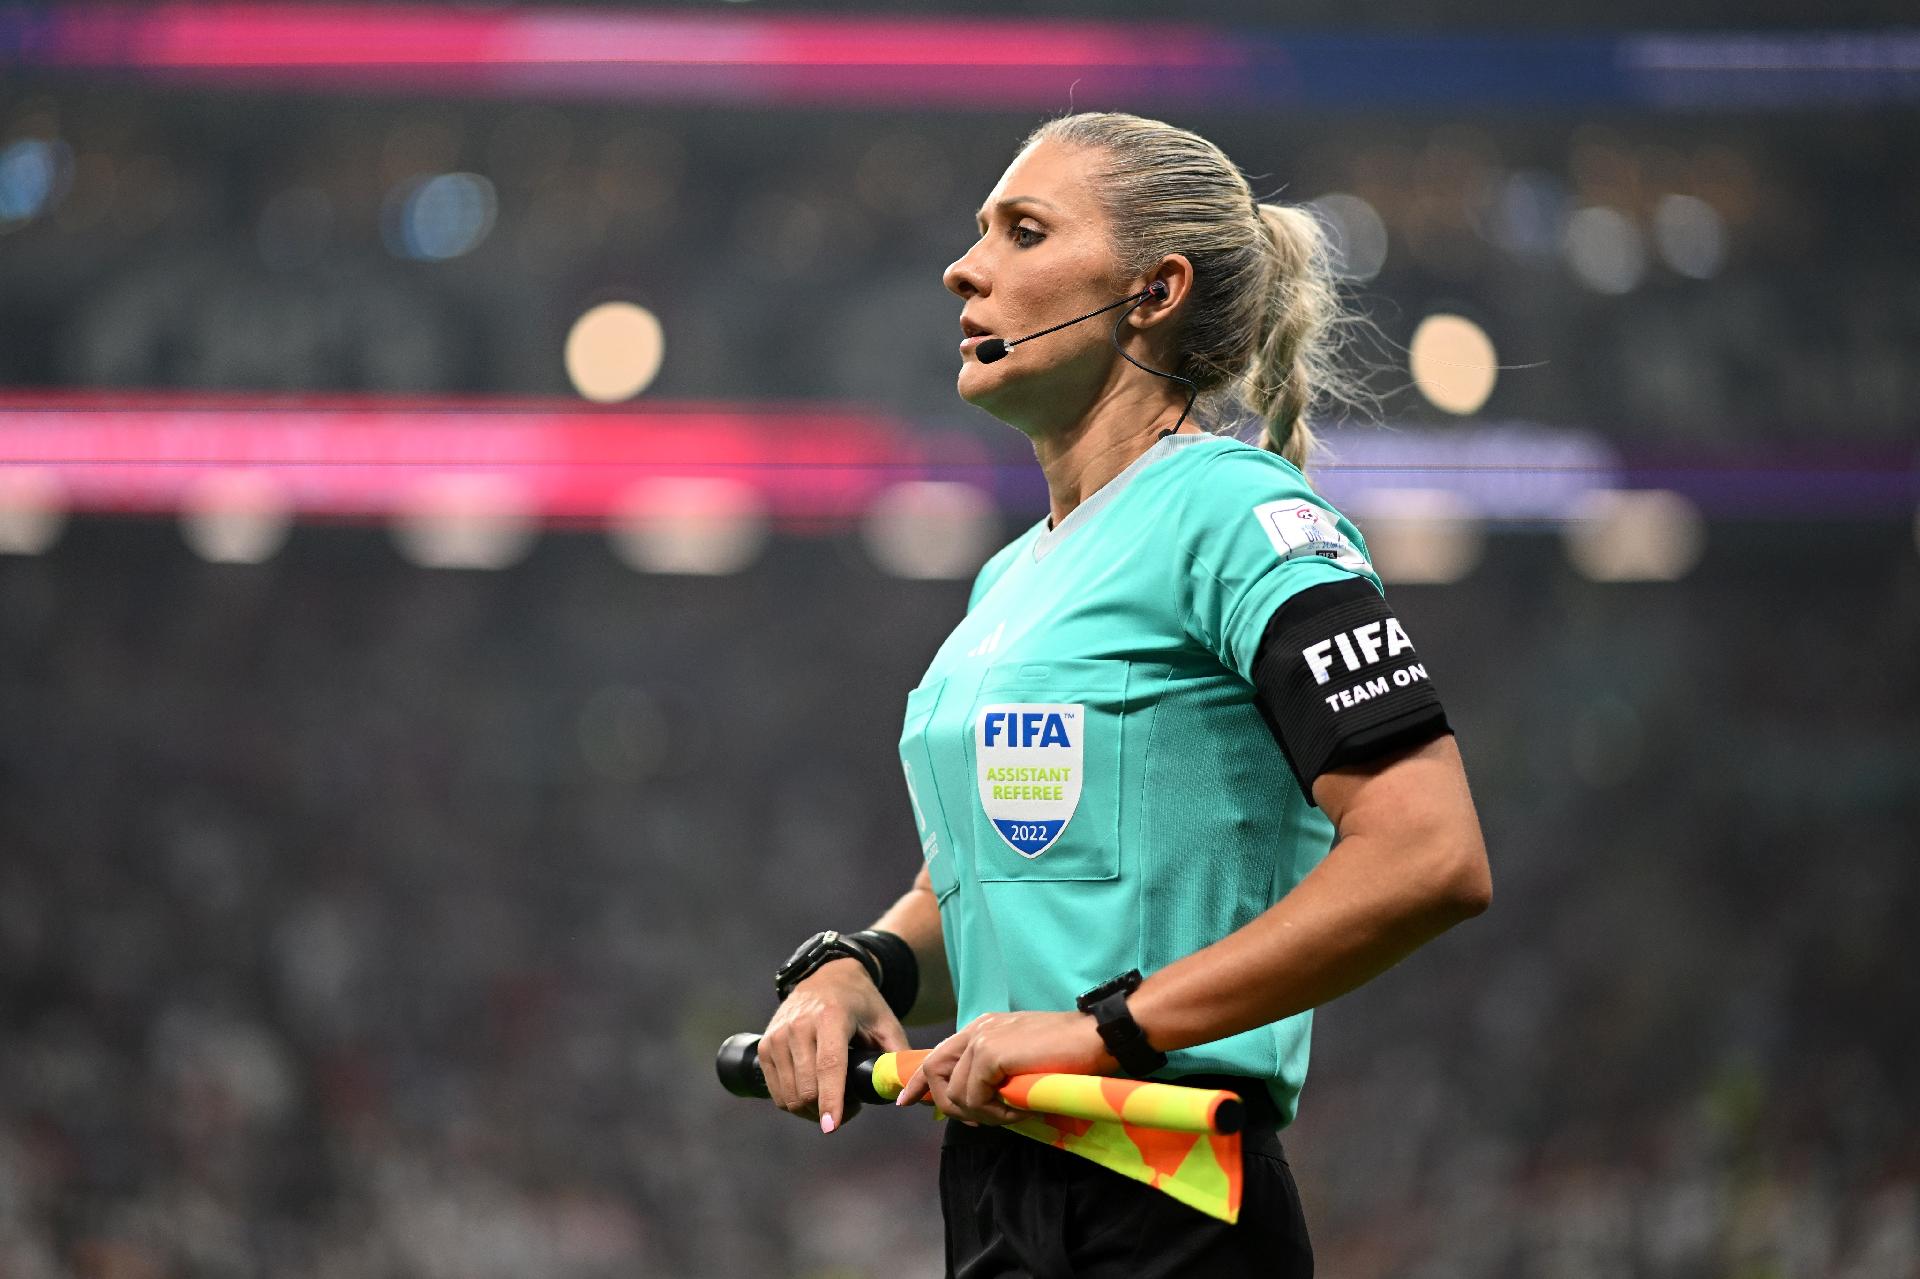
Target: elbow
<point>1465,888</point>
<point>1455,882</point>
<point>1472,899</point>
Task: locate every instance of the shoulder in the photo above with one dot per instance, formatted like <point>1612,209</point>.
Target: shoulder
<point>1233,494</point>
<point>1254,534</point>
<point>1217,472</point>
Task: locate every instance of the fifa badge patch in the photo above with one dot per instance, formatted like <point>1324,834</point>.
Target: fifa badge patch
<point>1028,758</point>
<point>1299,529</point>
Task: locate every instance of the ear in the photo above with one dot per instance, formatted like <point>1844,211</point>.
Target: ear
<point>1175,273</point>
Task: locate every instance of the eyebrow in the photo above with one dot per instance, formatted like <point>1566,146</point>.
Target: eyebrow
<point>1010,201</point>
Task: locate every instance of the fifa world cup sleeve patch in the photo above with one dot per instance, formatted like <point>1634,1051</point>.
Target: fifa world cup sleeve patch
<point>1300,529</point>
<point>1339,682</point>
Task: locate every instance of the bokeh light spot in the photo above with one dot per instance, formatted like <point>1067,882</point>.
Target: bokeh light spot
<point>614,351</point>
<point>34,173</point>
<point>1357,234</point>
<point>690,525</point>
<point>1691,236</point>
<point>1604,249</point>
<point>1421,536</point>
<point>444,216</point>
<point>236,517</point>
<point>1453,363</point>
<point>33,510</point>
<point>460,520</point>
<point>931,529</point>
<point>1643,535</point>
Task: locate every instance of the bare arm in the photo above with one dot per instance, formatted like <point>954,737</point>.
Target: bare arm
<point>1409,863</point>
<point>915,918</point>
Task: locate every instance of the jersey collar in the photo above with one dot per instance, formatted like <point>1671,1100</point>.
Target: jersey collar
<point>1091,505</point>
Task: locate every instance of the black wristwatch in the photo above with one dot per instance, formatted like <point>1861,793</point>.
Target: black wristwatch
<point>815,953</point>
<point>1107,1004</point>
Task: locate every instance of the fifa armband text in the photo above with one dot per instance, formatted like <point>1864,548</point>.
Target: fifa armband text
<point>1339,682</point>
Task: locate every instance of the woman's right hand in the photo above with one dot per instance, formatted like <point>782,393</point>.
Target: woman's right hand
<point>804,1051</point>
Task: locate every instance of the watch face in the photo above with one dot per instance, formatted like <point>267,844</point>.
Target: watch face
<point>1126,983</point>
<point>799,957</point>
<point>818,951</point>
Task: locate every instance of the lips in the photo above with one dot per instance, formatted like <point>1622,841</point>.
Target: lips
<point>972,334</point>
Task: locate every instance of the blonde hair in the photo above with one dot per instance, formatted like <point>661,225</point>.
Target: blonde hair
<point>1265,309</point>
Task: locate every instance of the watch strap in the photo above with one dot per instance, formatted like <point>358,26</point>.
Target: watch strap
<point>1107,1005</point>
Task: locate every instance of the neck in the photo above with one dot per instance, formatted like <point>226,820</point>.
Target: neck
<point>1123,422</point>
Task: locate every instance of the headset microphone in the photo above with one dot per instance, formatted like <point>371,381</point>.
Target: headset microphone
<point>994,349</point>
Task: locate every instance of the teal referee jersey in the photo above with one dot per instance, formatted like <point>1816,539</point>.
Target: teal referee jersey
<point>1095,787</point>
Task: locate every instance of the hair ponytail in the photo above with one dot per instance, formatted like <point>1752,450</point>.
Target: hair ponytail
<point>1292,363</point>
<point>1265,311</point>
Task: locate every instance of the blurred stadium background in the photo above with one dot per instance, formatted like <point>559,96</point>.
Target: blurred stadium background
<point>477,482</point>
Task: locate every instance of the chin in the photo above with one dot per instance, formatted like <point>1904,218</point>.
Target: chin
<point>984,392</point>
<point>998,396</point>
<point>979,385</point>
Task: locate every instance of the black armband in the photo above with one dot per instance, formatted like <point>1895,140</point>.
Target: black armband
<point>1339,682</point>
<point>899,968</point>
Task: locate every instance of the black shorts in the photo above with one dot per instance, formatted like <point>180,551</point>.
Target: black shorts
<point>1017,1209</point>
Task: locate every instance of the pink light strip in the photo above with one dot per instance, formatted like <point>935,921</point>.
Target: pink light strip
<point>270,35</point>
<point>356,457</point>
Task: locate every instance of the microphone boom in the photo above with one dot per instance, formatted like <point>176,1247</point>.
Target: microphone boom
<point>996,349</point>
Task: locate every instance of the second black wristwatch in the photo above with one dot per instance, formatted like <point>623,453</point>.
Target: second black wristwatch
<point>1107,1003</point>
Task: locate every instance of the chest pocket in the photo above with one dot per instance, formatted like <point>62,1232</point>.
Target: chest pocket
<point>916,761</point>
<point>1049,746</point>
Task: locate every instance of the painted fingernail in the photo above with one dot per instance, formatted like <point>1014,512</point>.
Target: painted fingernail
<point>826,1123</point>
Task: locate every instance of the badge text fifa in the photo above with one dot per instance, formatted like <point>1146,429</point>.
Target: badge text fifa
<point>1024,728</point>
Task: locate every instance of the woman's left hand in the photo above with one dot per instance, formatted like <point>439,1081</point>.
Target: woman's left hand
<point>963,1075</point>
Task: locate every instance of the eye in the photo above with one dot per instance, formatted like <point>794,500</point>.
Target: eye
<point>1026,237</point>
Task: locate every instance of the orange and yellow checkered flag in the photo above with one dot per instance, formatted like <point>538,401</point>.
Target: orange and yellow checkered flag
<point>1182,1141</point>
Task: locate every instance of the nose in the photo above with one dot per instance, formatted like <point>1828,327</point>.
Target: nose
<point>963,277</point>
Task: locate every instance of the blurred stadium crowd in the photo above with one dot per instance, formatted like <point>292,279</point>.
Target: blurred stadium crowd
<point>1705,280</point>
<point>359,921</point>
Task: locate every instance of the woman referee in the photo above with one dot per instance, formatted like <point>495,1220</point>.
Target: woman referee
<point>1164,705</point>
